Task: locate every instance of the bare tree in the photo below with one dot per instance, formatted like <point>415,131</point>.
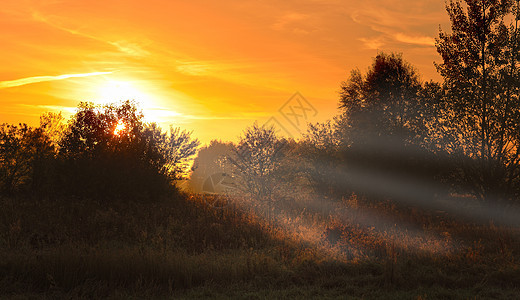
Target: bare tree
<point>255,161</point>
<point>179,149</point>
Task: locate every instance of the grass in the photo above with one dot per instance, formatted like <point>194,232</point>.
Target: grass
<point>182,248</point>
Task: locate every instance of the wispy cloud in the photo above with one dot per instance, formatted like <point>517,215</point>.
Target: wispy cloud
<point>217,68</point>
<point>415,40</point>
<point>36,79</point>
<point>123,46</point>
<point>397,25</point>
<point>60,108</point>
<point>373,43</point>
<point>194,69</point>
<point>129,48</point>
<point>292,21</point>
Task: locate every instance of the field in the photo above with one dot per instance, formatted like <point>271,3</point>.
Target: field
<point>180,247</point>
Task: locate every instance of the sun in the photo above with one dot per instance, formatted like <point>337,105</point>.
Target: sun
<point>149,98</point>
<point>113,91</point>
<point>120,127</point>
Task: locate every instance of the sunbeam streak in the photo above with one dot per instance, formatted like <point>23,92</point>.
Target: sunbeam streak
<point>421,193</point>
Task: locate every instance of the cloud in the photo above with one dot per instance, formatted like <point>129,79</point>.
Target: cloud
<point>373,43</point>
<point>396,25</point>
<point>60,108</point>
<point>123,46</point>
<point>36,79</point>
<point>194,69</point>
<point>415,40</point>
<point>129,48</point>
<point>294,22</point>
<point>289,19</point>
<point>238,116</point>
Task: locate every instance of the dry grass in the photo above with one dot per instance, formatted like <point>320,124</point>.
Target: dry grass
<point>183,248</point>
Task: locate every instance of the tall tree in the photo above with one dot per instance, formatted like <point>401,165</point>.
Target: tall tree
<point>386,128</point>
<point>482,108</point>
<point>384,102</point>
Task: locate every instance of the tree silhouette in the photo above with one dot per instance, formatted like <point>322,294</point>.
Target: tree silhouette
<point>210,160</point>
<point>24,151</point>
<point>53,126</point>
<point>255,159</point>
<point>178,150</point>
<point>386,125</point>
<point>383,103</point>
<point>90,132</point>
<point>108,151</point>
<point>320,153</point>
<point>481,109</point>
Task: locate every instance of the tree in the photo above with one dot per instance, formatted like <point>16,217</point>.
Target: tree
<point>178,150</point>
<point>53,126</point>
<point>482,108</point>
<point>320,148</point>
<point>255,161</point>
<point>210,160</point>
<point>92,130</point>
<point>385,127</point>
<point>23,152</point>
<point>108,151</point>
<point>383,103</point>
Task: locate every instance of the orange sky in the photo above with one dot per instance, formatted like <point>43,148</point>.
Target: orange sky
<point>208,66</point>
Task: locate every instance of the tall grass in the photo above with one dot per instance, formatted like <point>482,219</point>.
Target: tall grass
<point>183,247</point>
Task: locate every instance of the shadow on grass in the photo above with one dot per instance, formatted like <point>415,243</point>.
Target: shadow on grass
<point>181,247</point>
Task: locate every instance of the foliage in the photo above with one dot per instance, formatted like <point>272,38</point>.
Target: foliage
<point>320,154</point>
<point>384,102</point>
<point>255,160</point>
<point>53,126</point>
<point>23,154</point>
<point>386,130</point>
<point>97,160</point>
<point>395,141</point>
<point>210,160</point>
<point>91,131</point>
<point>178,149</point>
<point>105,152</point>
<point>481,107</point>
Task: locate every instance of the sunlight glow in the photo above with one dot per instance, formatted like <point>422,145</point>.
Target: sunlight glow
<point>120,90</point>
<point>120,127</point>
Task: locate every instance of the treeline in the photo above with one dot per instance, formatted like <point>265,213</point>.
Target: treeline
<point>398,137</point>
<point>103,152</point>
